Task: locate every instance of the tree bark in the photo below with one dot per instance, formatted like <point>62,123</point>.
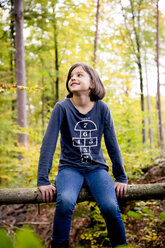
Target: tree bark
<point>139,64</point>
<point>96,33</point>
<point>148,106</point>
<point>56,55</point>
<point>20,70</point>
<point>161,142</point>
<point>135,45</point>
<point>33,195</point>
<point>12,62</point>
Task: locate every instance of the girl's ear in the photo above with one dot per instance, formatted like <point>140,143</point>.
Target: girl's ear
<point>91,85</point>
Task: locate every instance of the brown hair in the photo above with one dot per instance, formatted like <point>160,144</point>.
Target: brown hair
<point>97,92</point>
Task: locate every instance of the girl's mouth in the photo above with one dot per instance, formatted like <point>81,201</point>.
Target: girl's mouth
<point>74,83</point>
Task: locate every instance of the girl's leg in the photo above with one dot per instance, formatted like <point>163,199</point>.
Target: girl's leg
<point>102,188</point>
<point>68,184</point>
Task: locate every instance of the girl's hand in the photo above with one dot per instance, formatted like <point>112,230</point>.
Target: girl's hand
<point>47,192</point>
<point>121,189</point>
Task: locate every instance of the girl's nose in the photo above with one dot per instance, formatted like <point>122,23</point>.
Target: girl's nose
<point>73,78</point>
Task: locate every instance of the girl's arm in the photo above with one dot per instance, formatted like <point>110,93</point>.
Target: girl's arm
<point>115,155</point>
<point>113,149</point>
<point>49,145</point>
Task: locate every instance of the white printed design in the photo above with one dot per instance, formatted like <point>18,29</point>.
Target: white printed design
<point>85,140</point>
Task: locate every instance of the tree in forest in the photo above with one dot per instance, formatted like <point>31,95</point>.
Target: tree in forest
<point>96,33</point>
<point>20,71</point>
<point>134,40</point>
<point>148,106</point>
<point>12,44</point>
<point>161,142</point>
<point>57,38</point>
<point>56,55</point>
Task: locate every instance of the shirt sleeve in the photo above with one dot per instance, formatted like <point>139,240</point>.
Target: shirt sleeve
<point>49,145</point>
<point>113,148</point>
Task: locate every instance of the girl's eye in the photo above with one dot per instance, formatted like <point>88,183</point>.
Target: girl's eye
<point>80,75</point>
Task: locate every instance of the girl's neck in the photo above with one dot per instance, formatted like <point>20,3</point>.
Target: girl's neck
<point>81,101</point>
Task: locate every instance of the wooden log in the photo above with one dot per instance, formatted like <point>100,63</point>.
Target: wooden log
<point>33,195</point>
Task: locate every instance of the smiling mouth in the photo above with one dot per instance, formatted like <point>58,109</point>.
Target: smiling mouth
<point>74,84</point>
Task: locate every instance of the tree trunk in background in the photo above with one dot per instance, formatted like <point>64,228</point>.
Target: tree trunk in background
<point>139,63</point>
<point>96,34</point>
<point>161,142</point>
<point>56,56</point>
<point>12,42</point>
<point>149,107</point>
<point>135,45</point>
<point>42,78</point>
<point>20,70</point>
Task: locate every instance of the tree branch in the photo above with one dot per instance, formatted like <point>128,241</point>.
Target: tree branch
<point>33,195</point>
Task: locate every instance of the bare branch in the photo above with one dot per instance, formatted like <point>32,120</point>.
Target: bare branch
<point>33,195</point>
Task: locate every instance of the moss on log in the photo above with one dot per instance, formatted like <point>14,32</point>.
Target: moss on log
<point>33,195</point>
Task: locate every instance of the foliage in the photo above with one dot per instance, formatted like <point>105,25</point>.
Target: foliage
<point>72,23</point>
<point>23,238</point>
<point>162,216</point>
<point>5,240</point>
<point>23,173</point>
<point>134,214</point>
<point>151,217</point>
<point>96,234</point>
<point>127,246</point>
<point>75,29</point>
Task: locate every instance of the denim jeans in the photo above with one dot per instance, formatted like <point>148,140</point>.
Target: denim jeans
<point>69,182</point>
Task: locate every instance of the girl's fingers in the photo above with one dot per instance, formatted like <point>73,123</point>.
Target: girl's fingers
<point>47,192</point>
<point>47,196</point>
<point>125,190</point>
<point>120,189</point>
<point>117,192</point>
<point>51,195</point>
<point>54,189</point>
<point>116,189</point>
<point>43,196</point>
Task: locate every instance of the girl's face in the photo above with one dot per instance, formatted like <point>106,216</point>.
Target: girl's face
<point>80,81</point>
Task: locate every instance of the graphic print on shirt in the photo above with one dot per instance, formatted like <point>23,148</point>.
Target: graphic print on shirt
<point>86,138</point>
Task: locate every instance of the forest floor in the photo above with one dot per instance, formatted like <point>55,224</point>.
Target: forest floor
<point>144,221</point>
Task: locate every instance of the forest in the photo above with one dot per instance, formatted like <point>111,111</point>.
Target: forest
<point>124,40</point>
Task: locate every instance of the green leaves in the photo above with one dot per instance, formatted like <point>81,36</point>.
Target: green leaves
<point>5,241</point>
<point>27,239</point>
<point>134,214</point>
<point>148,211</point>
<point>137,215</point>
<point>24,238</point>
<point>125,246</point>
<point>162,216</point>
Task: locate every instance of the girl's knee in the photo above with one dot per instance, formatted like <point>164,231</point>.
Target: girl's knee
<point>65,203</point>
<point>110,208</point>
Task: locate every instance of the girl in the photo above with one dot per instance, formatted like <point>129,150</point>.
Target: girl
<point>82,119</point>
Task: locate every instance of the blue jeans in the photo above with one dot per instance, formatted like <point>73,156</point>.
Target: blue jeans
<point>69,182</point>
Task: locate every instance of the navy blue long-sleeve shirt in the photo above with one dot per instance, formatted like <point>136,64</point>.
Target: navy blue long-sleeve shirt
<point>81,136</point>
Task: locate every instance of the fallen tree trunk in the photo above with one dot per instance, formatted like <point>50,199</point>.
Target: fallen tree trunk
<point>33,195</point>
